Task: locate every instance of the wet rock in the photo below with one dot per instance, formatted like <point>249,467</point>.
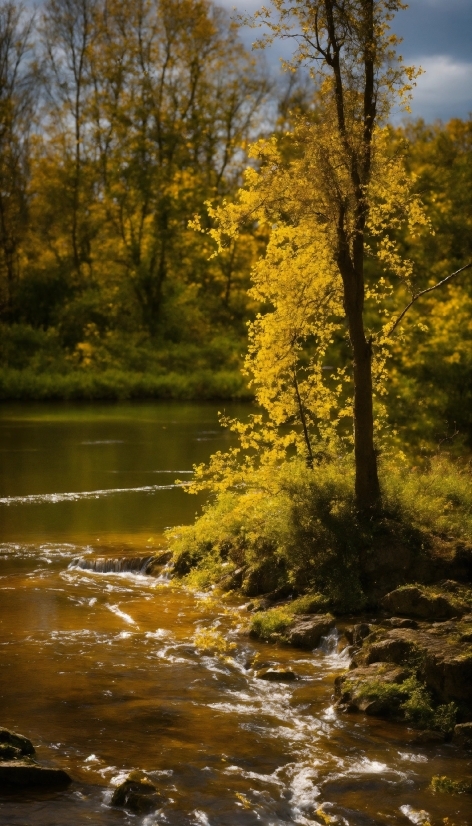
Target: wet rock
<point>16,741</point>
<point>137,794</point>
<point>9,752</point>
<point>463,735</point>
<point>278,675</point>
<point>428,736</point>
<point>415,601</point>
<point>25,774</point>
<point>307,631</point>
<point>157,563</point>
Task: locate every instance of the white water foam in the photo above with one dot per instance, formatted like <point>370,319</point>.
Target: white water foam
<point>416,816</point>
<point>73,496</point>
<point>119,613</point>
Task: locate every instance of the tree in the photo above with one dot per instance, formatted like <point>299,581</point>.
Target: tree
<point>335,205</point>
<point>16,115</point>
<point>175,98</point>
<point>430,394</point>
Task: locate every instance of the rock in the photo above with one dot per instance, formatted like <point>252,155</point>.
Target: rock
<point>158,562</point>
<point>17,741</point>
<point>390,650</point>
<point>360,632</point>
<point>402,622</point>
<point>258,605</point>
<point>439,660</point>
<point>463,735</point>
<point>429,736</point>
<point>9,752</point>
<point>280,675</point>
<point>24,774</point>
<point>307,631</point>
<point>137,794</point>
<point>415,601</point>
<point>351,689</point>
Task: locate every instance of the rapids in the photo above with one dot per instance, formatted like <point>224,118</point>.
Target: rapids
<point>108,669</point>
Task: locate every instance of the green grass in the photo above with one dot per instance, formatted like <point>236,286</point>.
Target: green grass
<point>117,384</point>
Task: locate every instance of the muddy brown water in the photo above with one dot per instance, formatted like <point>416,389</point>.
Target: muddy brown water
<point>106,669</point>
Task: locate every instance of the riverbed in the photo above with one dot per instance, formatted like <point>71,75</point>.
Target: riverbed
<point>107,669</point>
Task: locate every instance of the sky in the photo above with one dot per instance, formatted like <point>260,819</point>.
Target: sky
<point>437,35</point>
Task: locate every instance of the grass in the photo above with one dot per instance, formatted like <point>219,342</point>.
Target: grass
<point>411,699</point>
<point>288,525</point>
<point>266,624</point>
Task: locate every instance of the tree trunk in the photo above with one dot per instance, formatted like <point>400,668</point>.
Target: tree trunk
<point>351,267</point>
<point>367,488</point>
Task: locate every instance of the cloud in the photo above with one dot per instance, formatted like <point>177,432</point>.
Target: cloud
<point>444,90</point>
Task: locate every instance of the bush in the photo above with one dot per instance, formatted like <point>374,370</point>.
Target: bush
<point>301,524</point>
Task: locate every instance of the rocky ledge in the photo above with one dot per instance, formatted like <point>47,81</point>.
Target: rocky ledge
<point>18,769</point>
<point>416,664</point>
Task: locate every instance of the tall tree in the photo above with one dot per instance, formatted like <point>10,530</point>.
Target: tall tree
<point>17,86</point>
<point>334,203</point>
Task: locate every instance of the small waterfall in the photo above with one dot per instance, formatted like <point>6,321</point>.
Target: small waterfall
<point>329,646</point>
<point>105,565</point>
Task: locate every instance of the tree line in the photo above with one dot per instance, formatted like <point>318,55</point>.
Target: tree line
<point>118,120</point>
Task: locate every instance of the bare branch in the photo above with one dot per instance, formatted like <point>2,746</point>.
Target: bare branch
<point>429,290</point>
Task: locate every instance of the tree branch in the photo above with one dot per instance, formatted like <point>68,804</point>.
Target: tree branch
<point>429,290</point>
<point>309,458</point>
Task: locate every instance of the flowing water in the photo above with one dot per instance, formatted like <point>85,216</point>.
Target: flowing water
<point>107,669</point>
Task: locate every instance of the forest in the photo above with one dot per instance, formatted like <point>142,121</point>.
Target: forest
<point>118,123</point>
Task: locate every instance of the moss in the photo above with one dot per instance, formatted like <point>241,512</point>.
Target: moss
<point>412,700</point>
<point>446,785</point>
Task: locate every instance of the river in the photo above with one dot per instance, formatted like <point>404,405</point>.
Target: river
<point>107,670</point>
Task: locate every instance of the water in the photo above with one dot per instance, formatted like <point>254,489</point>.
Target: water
<point>106,669</point>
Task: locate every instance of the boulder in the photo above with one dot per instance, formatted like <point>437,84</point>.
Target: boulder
<point>25,774</point>
<point>463,735</point>
<point>439,659</point>
<point>415,601</point>
<point>16,741</point>
<point>276,675</point>
<point>137,794</point>
<point>352,689</point>
<point>360,632</point>
<point>307,631</point>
